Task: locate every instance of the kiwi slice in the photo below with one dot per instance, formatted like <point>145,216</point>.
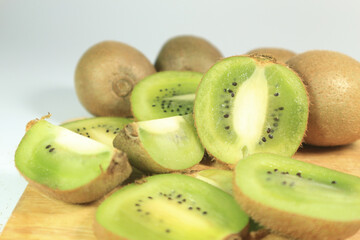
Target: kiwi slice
<point>102,129</point>
<point>217,177</point>
<point>164,94</point>
<point>170,206</point>
<point>248,104</point>
<point>298,199</point>
<point>161,145</point>
<point>187,53</point>
<point>68,166</point>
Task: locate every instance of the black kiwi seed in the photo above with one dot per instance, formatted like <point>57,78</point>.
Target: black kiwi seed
<point>137,204</point>
<point>179,202</point>
<point>160,90</point>
<point>276,124</point>
<point>268,172</point>
<point>298,174</point>
<point>204,213</point>
<point>167,230</point>
<point>188,109</point>
<point>276,94</point>
<point>139,210</point>
<point>78,130</point>
<point>149,197</point>
<point>180,106</point>
<point>263,139</point>
<point>178,196</point>
<point>271,136</point>
<point>230,91</point>
<point>198,208</point>
<point>234,83</point>
<point>276,119</point>
<point>177,109</point>
<point>226,115</point>
<point>275,170</point>
<point>154,105</point>
<point>184,200</point>
<point>225,90</point>
<point>172,110</point>
<point>190,208</point>
<point>333,182</point>
<point>268,130</point>
<point>51,149</point>
<point>281,108</point>
<point>48,146</point>
<point>227,127</point>
<point>169,198</point>
<point>107,130</point>
<point>232,95</point>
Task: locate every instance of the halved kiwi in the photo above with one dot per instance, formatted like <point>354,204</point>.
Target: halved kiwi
<point>68,166</point>
<point>248,104</point>
<point>161,145</point>
<point>164,94</point>
<point>170,206</point>
<point>298,199</point>
<point>101,129</point>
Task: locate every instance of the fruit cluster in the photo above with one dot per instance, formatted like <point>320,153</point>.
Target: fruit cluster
<point>200,146</point>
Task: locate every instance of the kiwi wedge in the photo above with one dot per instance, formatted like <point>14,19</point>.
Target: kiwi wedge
<point>68,166</point>
<point>101,129</point>
<point>165,94</point>
<point>105,76</point>
<point>161,145</point>
<point>187,53</point>
<point>170,206</point>
<point>333,82</point>
<point>298,199</point>
<point>249,104</point>
<point>280,54</point>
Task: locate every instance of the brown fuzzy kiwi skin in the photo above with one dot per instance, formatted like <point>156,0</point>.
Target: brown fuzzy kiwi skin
<point>281,55</point>
<point>105,76</point>
<point>260,59</point>
<point>118,171</point>
<point>187,53</point>
<point>333,83</point>
<point>294,225</point>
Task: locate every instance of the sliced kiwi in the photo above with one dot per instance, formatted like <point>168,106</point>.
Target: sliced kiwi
<point>298,199</point>
<point>165,94</point>
<point>68,166</point>
<point>248,104</point>
<point>218,178</point>
<point>170,206</point>
<point>161,145</point>
<point>187,53</point>
<point>105,76</point>
<point>102,129</point>
<point>280,54</point>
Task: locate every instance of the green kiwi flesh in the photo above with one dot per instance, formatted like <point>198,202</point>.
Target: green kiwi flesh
<point>101,129</point>
<point>248,104</point>
<point>170,206</point>
<point>217,177</point>
<point>164,94</point>
<point>68,166</point>
<point>161,145</point>
<point>298,199</point>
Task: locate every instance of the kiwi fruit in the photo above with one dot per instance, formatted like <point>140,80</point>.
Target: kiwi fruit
<point>297,199</point>
<point>217,177</point>
<point>105,76</point>
<point>280,54</point>
<point>170,206</point>
<point>165,94</point>
<point>333,83</point>
<point>68,166</point>
<point>249,104</point>
<point>101,129</point>
<point>187,53</point>
<point>161,145</point>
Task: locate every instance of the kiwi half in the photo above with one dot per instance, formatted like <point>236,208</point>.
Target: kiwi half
<point>280,54</point>
<point>165,94</point>
<point>187,53</point>
<point>101,129</point>
<point>105,76</point>
<point>170,206</point>
<point>298,199</point>
<point>333,83</point>
<point>68,166</point>
<point>248,104</point>
<point>161,145</point>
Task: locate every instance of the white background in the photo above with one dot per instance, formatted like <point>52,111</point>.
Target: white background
<point>42,40</point>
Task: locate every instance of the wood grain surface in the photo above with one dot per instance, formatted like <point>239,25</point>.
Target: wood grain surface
<point>37,217</point>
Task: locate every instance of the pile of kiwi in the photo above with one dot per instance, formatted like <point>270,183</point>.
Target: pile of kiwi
<point>199,146</point>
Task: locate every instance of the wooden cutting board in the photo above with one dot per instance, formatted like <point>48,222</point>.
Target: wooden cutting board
<point>38,217</point>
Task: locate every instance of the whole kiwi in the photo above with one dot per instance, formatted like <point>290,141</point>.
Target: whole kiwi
<point>280,54</point>
<point>187,53</point>
<point>105,76</point>
<point>333,83</point>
